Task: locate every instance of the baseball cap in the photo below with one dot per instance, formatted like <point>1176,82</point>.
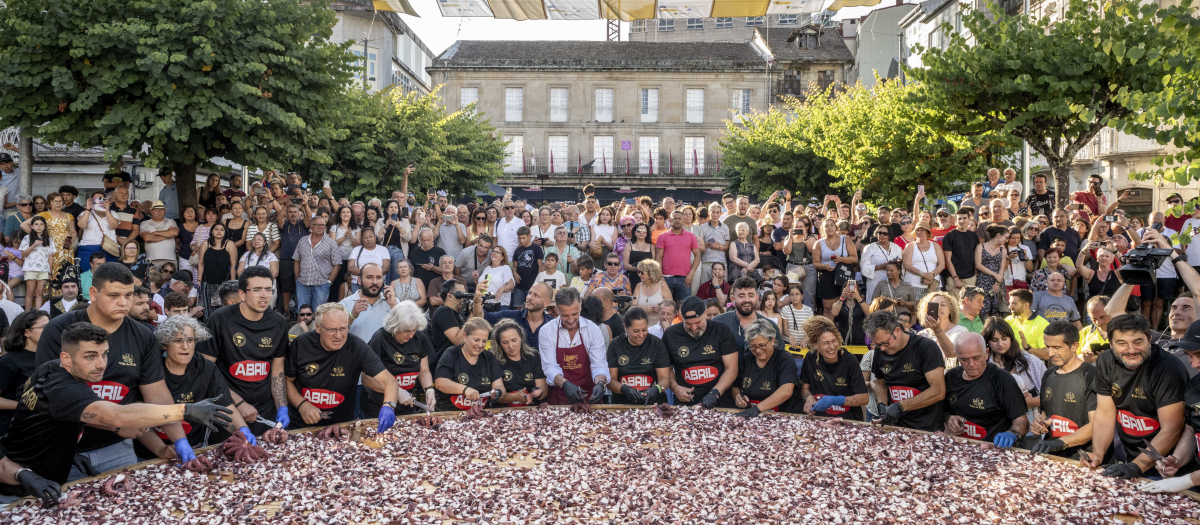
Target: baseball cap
<point>4,157</point>
<point>943,211</point>
<point>1169,197</point>
<point>692,308</point>
<point>158,205</point>
<point>1191,339</point>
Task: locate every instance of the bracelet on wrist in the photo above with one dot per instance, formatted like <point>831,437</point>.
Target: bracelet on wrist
<point>239,403</point>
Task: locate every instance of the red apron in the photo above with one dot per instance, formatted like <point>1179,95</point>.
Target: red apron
<point>576,368</point>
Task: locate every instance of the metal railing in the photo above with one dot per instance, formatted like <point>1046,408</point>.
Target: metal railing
<point>1112,142</point>
<point>11,137</point>
<point>666,163</point>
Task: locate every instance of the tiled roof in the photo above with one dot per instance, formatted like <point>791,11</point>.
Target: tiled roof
<point>785,48</point>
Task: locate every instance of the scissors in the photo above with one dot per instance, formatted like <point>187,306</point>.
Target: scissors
<point>1153,453</point>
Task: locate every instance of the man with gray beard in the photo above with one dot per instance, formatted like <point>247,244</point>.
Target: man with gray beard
<point>704,356</point>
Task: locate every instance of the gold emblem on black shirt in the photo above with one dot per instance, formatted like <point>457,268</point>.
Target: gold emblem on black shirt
<point>337,372</point>
<point>1138,393</point>
<point>265,342</point>
<point>507,375</point>
<point>708,350</point>
<point>841,381</point>
<point>645,360</point>
<point>127,360</point>
<point>908,367</point>
<point>239,339</point>
<point>311,369</point>
<point>186,398</point>
<point>683,351</point>
<point>1069,398</point>
<point>885,368</point>
<point>1116,390</point>
<point>745,383</point>
<point>529,376</point>
<point>398,358</point>
<point>463,378</point>
<point>952,397</point>
<point>1049,395</point>
<point>766,385</point>
<point>28,397</point>
<point>623,360</point>
<point>977,404</point>
<point>820,376</point>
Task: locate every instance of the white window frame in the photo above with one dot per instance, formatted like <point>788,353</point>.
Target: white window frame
<point>649,104</point>
<point>755,21</point>
<point>514,101</point>
<point>788,19</point>
<point>723,22</point>
<point>666,24</point>
<point>637,26</point>
<point>602,151</point>
<point>647,149</point>
<point>372,63</point>
<point>559,104</point>
<point>695,23</point>
<point>604,104</point>
<point>694,99</point>
<point>514,161</point>
<point>467,95</point>
<point>693,165</point>
<point>558,146</point>
<point>741,102</point>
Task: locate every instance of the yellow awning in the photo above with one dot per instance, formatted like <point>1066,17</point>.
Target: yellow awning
<point>685,8</point>
<point>834,5</point>
<point>518,9</point>
<point>464,8</point>
<point>396,6</point>
<point>626,10</point>
<point>739,8</point>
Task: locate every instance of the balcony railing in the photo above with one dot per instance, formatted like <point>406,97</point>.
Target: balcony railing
<point>1110,142</point>
<point>666,163</point>
<point>10,139</point>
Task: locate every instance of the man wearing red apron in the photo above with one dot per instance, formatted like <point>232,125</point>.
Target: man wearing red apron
<point>573,354</point>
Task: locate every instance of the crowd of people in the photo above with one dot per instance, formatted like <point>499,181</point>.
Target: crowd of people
<point>1001,318</point>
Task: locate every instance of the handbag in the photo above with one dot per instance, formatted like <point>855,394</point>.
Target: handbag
<point>842,272</point>
<point>108,244</point>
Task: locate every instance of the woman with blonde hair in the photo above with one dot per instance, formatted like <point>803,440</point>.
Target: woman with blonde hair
<point>523,375</point>
<point>652,290</point>
<point>944,329</point>
<point>465,371</point>
<point>831,385</point>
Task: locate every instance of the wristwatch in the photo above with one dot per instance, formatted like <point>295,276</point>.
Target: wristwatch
<point>390,404</point>
<point>1180,258</point>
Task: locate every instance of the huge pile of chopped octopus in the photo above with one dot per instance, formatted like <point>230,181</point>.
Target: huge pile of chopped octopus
<point>553,465</point>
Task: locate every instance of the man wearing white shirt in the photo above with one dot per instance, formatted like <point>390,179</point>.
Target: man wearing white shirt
<point>367,306</point>
<point>573,353</point>
<point>61,305</point>
<point>1010,182</point>
<point>159,235</point>
<point>507,226</point>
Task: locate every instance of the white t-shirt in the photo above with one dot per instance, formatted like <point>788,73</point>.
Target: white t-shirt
<point>506,233</point>
<point>1192,227</point>
<point>556,280</point>
<point>254,260</point>
<point>156,251</point>
<point>94,233</point>
<point>363,256</point>
<point>499,277</point>
<point>1016,269</point>
<point>537,232</point>
<point>38,260</point>
<point>347,244</point>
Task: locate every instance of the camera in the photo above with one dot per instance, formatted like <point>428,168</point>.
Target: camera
<point>1110,218</point>
<point>623,299</point>
<point>1140,264</point>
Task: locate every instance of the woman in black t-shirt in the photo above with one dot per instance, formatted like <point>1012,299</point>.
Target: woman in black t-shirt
<point>638,363</point>
<point>849,316</point>
<point>766,378</point>
<point>521,364</point>
<point>831,382</point>
<point>466,371</point>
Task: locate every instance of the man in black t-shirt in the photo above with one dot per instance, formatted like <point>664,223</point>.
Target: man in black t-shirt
<point>909,373</point>
<point>323,367</point>
<point>59,401</point>
<point>1040,200</point>
<point>1068,396</point>
<point>526,259</point>
<point>1140,396</point>
<point>249,341</point>
<point>959,247</point>
<point>614,321</point>
<point>445,325</point>
<point>982,401</point>
<point>704,355</point>
<point>135,371</point>
<point>1058,228</point>
<point>425,255</point>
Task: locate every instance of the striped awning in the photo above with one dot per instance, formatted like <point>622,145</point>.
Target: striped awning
<point>623,9</point>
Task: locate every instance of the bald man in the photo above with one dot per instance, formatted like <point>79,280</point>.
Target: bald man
<point>613,319</point>
<point>983,401</point>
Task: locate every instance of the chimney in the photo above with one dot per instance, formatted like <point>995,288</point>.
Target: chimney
<point>899,2</point>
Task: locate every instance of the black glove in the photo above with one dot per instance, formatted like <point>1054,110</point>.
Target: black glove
<point>632,394</point>
<point>653,394</point>
<point>209,414</point>
<point>750,413</point>
<point>891,414</point>
<point>710,399</point>
<point>597,393</point>
<point>1046,447</point>
<point>39,487</point>
<point>1123,471</point>
<point>880,408</point>
<point>574,393</point>
<point>85,466</point>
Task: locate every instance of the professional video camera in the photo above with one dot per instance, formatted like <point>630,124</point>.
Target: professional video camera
<point>1140,264</point>
<point>470,296</point>
<point>623,302</point>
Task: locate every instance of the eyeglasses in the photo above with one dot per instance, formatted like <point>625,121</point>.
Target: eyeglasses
<point>610,263</point>
<point>761,347</point>
<point>509,207</point>
<point>305,315</point>
<point>267,290</point>
<point>341,330</point>
<point>1175,202</point>
<point>24,204</point>
<point>481,218</point>
<point>184,341</point>
<point>134,248</point>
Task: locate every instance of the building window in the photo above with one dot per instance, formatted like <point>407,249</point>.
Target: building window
<point>602,152</point>
<point>666,24</point>
<point>741,102</point>
<point>558,105</point>
<point>788,19</point>
<point>558,161</point>
<point>648,161</point>
<point>958,22</point>
<point>514,162</point>
<point>638,26</point>
<point>695,23</point>
<point>467,96</point>
<point>825,78</point>
<point>933,39</point>
<point>693,155</point>
<point>514,100</point>
<point>755,20</point>
<point>724,21</point>
<point>372,63</point>
<point>650,105</point>
<point>604,105</point>
<point>695,106</point>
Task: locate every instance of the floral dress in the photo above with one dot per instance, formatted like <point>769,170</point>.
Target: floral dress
<point>985,282</point>
<point>1037,282</point>
<point>60,230</point>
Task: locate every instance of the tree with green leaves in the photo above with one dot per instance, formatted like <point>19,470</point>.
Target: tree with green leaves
<point>766,152</point>
<point>385,131</point>
<point>1055,84</point>
<point>176,82</point>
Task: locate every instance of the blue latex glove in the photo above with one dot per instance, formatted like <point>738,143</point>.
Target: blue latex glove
<point>183,449</point>
<point>249,435</point>
<point>387,418</point>
<point>825,402</point>
<point>1004,439</point>
<point>281,417</point>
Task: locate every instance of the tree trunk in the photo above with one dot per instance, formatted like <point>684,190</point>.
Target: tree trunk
<point>185,184</point>
<point>1062,183</point>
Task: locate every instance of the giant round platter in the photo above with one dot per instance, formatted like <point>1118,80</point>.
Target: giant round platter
<point>615,464</point>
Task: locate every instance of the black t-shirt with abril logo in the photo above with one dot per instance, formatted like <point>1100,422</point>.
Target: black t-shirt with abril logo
<point>1160,381</point>
<point>760,382</point>
<point>698,362</point>
<point>200,380</point>
<point>328,380</point>
<point>403,361</point>
<point>904,376</point>
<point>841,378</point>
<point>245,350</point>
<point>455,367</point>
<point>636,365</point>
<point>1066,400</point>
<point>46,426</point>
<point>988,404</point>
<point>522,375</point>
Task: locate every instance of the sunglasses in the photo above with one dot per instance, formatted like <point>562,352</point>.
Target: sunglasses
<point>1175,202</point>
<point>905,222</point>
<point>626,225</point>
<point>24,204</point>
<point>509,207</point>
<point>305,315</point>
<point>612,264</point>
<point>481,218</point>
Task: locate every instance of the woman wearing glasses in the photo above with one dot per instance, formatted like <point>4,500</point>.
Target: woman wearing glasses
<point>480,225</point>
<point>639,249</point>
<point>499,276</point>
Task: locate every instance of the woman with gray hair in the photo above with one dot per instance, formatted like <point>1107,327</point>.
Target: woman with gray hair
<point>766,378</point>
<point>190,378</point>
<point>404,348</point>
<point>521,364</point>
